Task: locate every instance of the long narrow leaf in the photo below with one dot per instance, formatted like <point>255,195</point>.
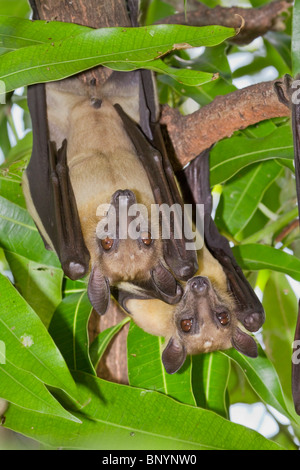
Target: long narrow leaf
<point>255,257</point>
<point>108,46</point>
<point>262,376</point>
<point>18,234</point>
<point>23,389</point>
<point>242,195</point>
<point>229,156</point>
<point>28,344</point>
<point>146,370</point>
<point>16,33</point>
<point>101,342</point>
<point>122,417</point>
<point>210,380</point>
<point>68,328</point>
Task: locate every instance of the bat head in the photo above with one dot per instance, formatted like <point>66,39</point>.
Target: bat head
<point>128,252</point>
<point>204,321</point>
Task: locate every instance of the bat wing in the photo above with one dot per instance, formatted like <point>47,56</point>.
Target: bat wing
<point>52,201</point>
<point>196,190</point>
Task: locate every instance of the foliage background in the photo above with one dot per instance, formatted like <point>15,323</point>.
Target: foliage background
<point>49,376</point>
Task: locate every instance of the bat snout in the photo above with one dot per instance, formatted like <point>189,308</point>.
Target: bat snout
<point>199,285</point>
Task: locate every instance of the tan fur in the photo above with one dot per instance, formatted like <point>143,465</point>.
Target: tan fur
<point>160,319</point>
<point>153,316</point>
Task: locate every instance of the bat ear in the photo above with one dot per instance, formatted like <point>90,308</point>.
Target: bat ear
<point>98,291</point>
<point>166,284</point>
<point>244,343</point>
<point>173,356</point>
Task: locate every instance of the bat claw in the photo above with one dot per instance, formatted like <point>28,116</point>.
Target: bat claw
<point>75,271</point>
<point>253,321</point>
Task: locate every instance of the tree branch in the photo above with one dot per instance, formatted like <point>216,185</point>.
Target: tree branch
<point>192,134</point>
<point>258,21</point>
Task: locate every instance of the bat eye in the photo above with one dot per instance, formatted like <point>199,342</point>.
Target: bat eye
<point>107,243</point>
<point>223,318</point>
<point>146,238</point>
<point>186,325</point>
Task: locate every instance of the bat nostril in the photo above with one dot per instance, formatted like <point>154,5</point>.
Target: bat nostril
<point>124,193</point>
<point>199,284</point>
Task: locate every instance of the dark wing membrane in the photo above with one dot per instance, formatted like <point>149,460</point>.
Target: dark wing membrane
<point>51,191</point>
<point>195,184</point>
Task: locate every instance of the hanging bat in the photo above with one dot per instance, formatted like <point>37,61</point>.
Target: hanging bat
<point>287,93</point>
<point>218,302</point>
<point>85,158</point>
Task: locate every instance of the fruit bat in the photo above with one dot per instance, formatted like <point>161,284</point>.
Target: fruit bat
<point>97,150</point>
<point>218,303</point>
<point>288,94</point>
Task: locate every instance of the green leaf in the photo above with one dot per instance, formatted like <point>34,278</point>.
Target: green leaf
<point>45,281</point>
<point>122,417</point>
<point>68,328</point>
<point>20,8</point>
<point>16,33</point>
<point>23,389</point>
<point>146,370</point>
<point>190,78</point>
<point>263,378</point>
<point>19,235</point>
<point>210,380</point>
<point>101,342</point>
<point>11,182</point>
<point>158,10</point>
<point>281,307</point>
<point>213,60</point>
<point>118,48</point>
<point>242,195</point>
<point>21,151</point>
<point>73,287</point>
<point>28,344</point>
<point>229,156</point>
<point>253,257</point>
